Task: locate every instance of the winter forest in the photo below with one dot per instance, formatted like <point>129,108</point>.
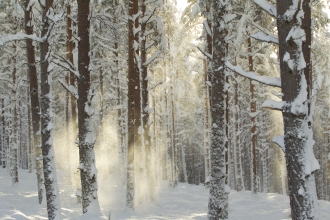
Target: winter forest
<point>164,109</point>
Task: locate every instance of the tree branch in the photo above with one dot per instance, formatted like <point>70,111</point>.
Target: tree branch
<point>264,37</point>
<point>19,36</point>
<point>271,81</point>
<point>266,6</point>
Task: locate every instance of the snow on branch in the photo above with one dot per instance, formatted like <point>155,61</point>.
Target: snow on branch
<point>205,53</point>
<point>265,30</point>
<point>274,105</point>
<point>19,36</point>
<point>266,6</point>
<point>229,17</point>
<point>264,37</point>
<point>271,81</point>
<point>107,47</point>
<point>60,61</point>
<point>73,90</point>
<point>152,58</point>
<point>279,140</point>
<point>207,27</point>
<point>147,18</point>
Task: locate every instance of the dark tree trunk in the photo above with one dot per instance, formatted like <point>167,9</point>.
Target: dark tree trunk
<point>145,98</point>
<point>29,137</point>
<point>86,134</point>
<point>294,53</point>
<point>134,104</point>
<point>34,95</point>
<point>253,108</point>
<point>3,137</point>
<point>218,201</point>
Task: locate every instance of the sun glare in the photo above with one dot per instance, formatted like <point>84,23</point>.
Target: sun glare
<point>181,4</point>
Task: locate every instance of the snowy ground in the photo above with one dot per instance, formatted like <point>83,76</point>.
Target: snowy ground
<point>185,202</point>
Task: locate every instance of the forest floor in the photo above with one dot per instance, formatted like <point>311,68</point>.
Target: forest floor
<point>184,202</point>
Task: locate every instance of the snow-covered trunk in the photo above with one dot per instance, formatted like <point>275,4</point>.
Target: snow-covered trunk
<point>145,97</point>
<point>207,92</point>
<point>88,171</point>
<point>254,187</point>
<point>173,140</point>
<point>236,140</point>
<point>50,181</point>
<point>294,30</point>
<point>227,150</point>
<point>70,99</point>
<point>133,103</point>
<point>169,164</point>
<point>71,49</point>
<point>29,140</point>
<point>206,136</point>
<point>34,95</point>
<point>13,149</point>
<point>3,136</point>
<point>23,137</point>
<point>156,148</point>
<point>264,151</point>
<point>218,200</point>
<point>120,113</point>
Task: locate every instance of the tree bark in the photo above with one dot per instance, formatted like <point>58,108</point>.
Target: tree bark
<point>52,195</point>
<point>134,104</point>
<point>294,31</point>
<point>34,95</point>
<point>88,171</point>
<point>3,137</point>
<point>253,109</point>
<point>13,149</point>
<point>218,201</point>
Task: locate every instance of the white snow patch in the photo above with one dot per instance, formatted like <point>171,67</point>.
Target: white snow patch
<point>279,140</point>
<point>140,130</point>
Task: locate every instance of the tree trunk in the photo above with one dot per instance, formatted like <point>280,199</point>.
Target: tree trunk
<point>3,137</point>
<point>34,94</point>
<point>218,201</point>
<point>294,51</point>
<point>253,124</point>
<point>134,104</point>
<point>145,98</point>
<point>88,171</point>
<point>52,195</point>
<point>13,150</point>
<point>30,138</point>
